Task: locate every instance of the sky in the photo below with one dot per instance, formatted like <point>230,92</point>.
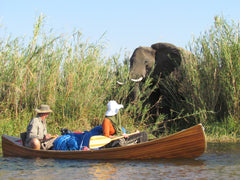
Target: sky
<point>127,24</point>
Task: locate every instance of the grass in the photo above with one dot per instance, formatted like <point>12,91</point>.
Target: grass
<point>76,79</point>
<point>218,66</point>
<point>72,76</point>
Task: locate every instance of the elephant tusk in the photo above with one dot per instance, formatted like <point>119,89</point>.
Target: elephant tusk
<point>137,80</point>
<point>120,83</point>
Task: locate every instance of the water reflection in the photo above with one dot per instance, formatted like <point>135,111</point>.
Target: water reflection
<point>221,161</point>
<point>103,170</point>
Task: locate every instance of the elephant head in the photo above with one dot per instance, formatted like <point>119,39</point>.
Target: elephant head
<point>160,58</point>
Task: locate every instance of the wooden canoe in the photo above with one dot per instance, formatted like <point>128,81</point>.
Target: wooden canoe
<point>188,143</point>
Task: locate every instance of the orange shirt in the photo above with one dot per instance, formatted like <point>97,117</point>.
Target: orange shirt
<point>108,129</point>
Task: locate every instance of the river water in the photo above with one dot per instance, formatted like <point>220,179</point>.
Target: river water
<point>220,161</point>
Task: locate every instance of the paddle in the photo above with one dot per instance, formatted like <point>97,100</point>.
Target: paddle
<point>99,140</point>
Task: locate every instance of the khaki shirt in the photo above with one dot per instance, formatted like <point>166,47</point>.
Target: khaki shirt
<point>36,129</point>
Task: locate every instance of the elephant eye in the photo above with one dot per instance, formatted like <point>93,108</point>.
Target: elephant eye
<point>147,66</point>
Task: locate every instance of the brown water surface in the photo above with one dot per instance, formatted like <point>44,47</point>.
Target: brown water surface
<point>220,161</point>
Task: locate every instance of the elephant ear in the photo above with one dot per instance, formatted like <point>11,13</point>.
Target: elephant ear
<point>167,58</point>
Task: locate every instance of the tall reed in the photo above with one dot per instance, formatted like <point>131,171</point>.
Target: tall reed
<point>214,74</point>
<point>70,75</point>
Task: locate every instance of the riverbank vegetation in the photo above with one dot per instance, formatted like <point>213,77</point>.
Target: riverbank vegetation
<point>216,78</point>
<point>75,78</point>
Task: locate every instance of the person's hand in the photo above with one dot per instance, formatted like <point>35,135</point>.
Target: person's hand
<point>125,135</point>
<point>47,136</point>
<point>55,136</point>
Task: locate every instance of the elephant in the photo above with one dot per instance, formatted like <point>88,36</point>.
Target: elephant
<point>158,61</point>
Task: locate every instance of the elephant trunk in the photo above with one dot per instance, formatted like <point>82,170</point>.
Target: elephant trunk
<point>137,73</point>
<point>136,92</point>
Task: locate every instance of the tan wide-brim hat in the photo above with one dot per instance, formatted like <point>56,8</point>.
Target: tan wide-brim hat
<point>43,109</point>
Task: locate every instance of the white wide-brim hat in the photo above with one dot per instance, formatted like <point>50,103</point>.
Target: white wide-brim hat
<point>113,108</point>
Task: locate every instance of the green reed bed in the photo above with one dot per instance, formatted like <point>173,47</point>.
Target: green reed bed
<point>70,75</point>
<point>214,77</point>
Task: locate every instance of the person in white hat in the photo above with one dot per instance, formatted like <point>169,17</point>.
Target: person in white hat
<point>112,122</point>
<point>37,128</point>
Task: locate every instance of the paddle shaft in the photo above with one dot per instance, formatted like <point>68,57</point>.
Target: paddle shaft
<point>120,137</point>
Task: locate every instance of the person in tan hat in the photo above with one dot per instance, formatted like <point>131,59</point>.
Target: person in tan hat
<point>37,128</point>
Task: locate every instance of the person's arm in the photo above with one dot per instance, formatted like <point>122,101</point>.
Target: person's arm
<point>47,136</point>
<point>106,128</point>
<point>125,135</point>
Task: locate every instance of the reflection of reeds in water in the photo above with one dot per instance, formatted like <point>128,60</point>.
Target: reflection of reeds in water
<point>103,171</point>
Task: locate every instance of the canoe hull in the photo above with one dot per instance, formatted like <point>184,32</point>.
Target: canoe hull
<point>189,143</point>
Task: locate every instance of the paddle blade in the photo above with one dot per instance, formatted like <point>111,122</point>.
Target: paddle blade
<point>98,141</point>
